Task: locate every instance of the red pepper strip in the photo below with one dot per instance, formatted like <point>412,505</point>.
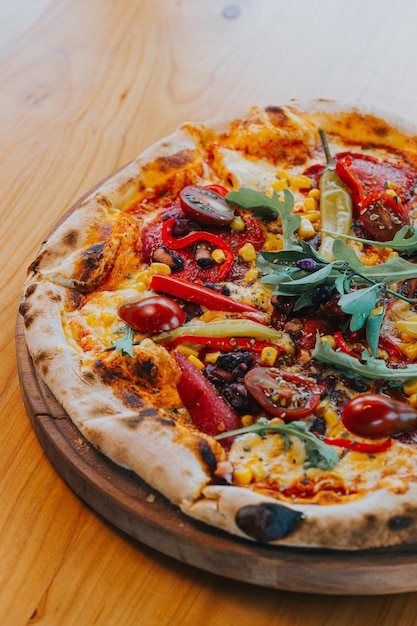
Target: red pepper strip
<point>207,409</point>
<point>391,347</point>
<point>358,446</point>
<point>192,292</point>
<point>350,180</point>
<point>227,344</point>
<point>177,243</point>
<point>342,345</point>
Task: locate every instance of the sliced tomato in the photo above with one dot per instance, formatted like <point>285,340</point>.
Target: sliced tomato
<point>383,215</point>
<point>282,394</point>
<point>205,206</point>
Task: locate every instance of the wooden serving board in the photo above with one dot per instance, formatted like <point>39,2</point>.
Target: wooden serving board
<point>131,505</point>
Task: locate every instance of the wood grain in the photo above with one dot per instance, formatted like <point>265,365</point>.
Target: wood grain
<point>85,85</point>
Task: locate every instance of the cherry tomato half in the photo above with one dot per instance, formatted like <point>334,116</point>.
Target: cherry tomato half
<point>205,206</point>
<point>282,394</point>
<point>383,215</point>
<point>373,416</point>
<point>152,315</point>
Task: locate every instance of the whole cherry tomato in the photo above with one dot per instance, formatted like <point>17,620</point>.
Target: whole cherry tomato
<point>205,206</point>
<point>152,315</point>
<point>373,416</point>
<point>282,394</point>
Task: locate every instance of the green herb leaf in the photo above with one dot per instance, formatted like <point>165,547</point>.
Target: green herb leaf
<point>264,206</point>
<point>125,343</point>
<point>368,368</point>
<point>319,454</point>
<point>373,328</point>
<point>360,300</point>
<point>405,240</point>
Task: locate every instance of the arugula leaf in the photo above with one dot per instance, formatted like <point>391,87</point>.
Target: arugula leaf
<point>125,343</point>
<point>405,240</point>
<point>373,328</point>
<point>319,454</point>
<point>395,269</point>
<point>264,206</point>
<point>369,367</point>
<point>360,300</point>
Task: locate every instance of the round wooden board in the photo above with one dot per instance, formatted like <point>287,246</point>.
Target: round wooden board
<point>131,505</point>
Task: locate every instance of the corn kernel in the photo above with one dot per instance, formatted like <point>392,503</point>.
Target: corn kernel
<point>259,472</point>
<point>410,387</point>
<point>242,475</point>
<point>314,193</point>
<point>188,351</point>
<point>313,216</point>
<point>306,230</point>
<point>92,320</point>
<point>269,355</point>
<point>280,185</point>
<point>330,339</point>
<point>391,192</point>
<point>247,252</point>
<point>199,364</point>
<point>237,224</point>
<point>413,400</point>
<point>160,268</point>
<point>322,407</point>
<point>247,420</point>
<point>141,286</point>
<point>211,357</point>
<point>331,418</point>
<point>410,351</point>
<point>108,318</point>
<point>282,174</point>
<point>251,275</point>
<point>310,204</point>
<point>299,181</point>
<point>218,255</point>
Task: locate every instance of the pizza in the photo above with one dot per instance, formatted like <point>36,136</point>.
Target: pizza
<point>232,316</point>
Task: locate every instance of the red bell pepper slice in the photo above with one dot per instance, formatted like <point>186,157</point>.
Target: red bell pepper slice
<point>225,344</point>
<point>350,180</point>
<point>208,411</point>
<point>177,243</point>
<point>192,292</point>
<point>359,446</point>
<point>342,345</point>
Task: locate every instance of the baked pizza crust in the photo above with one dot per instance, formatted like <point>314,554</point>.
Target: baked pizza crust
<point>170,456</point>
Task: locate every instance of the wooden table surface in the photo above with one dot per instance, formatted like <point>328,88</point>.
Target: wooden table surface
<point>85,85</point>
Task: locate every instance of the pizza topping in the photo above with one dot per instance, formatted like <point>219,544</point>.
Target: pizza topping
<point>154,314</point>
<point>359,446</point>
<point>177,243</point>
<point>206,206</point>
<point>282,394</point>
<point>335,204</point>
<point>375,416</point>
<point>193,292</point>
<point>381,213</point>
<point>318,453</point>
<point>208,411</point>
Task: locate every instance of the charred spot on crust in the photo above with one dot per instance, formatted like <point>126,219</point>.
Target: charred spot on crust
<point>174,161</point>
<point>381,130</point>
<point>131,398</point>
<point>277,115</point>
<point>42,356</point>
<point>88,377</point>
<point>92,258</point>
<point>71,238</point>
<point>268,522</point>
<point>165,422</point>
<point>207,455</point>
<point>31,289</point>
<point>28,320</point>
<point>76,299</point>
<point>399,522</point>
<point>145,369</point>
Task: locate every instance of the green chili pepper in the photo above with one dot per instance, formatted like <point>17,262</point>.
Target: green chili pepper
<point>335,204</point>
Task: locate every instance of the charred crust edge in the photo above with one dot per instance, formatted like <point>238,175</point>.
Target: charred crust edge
<point>268,521</point>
